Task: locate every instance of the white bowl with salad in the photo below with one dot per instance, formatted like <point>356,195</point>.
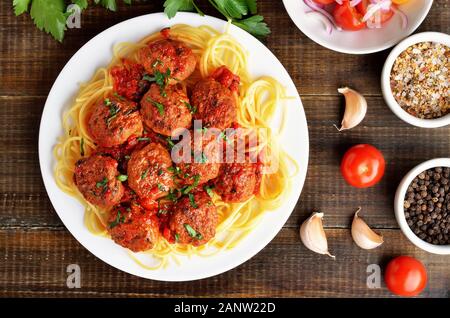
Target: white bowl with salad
<point>357,26</point>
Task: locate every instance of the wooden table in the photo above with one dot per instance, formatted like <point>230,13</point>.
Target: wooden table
<point>35,247</point>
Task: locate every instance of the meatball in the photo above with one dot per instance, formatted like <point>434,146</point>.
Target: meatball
<point>96,178</point>
<point>194,219</point>
<point>148,172</point>
<point>203,162</point>
<point>215,104</point>
<point>163,114</point>
<point>237,181</point>
<point>113,121</point>
<point>163,55</point>
<point>133,227</point>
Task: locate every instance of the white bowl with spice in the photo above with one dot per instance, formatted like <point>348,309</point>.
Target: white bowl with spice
<point>415,80</point>
<point>422,206</point>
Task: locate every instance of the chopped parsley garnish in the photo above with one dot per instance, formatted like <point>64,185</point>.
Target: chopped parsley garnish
<point>82,147</point>
<point>187,189</point>
<point>119,219</point>
<point>203,130</point>
<point>144,174</point>
<point>160,172</point>
<point>113,110</point>
<point>208,190</point>
<point>191,108</point>
<point>118,96</point>
<point>143,139</point>
<point>192,201</point>
<point>170,142</point>
<point>122,177</point>
<point>223,136</point>
<point>173,195</point>
<point>201,158</point>
<point>102,184</point>
<point>127,157</point>
<point>159,106</point>
<point>192,233</point>
<point>161,79</point>
<point>161,187</point>
<point>177,237</point>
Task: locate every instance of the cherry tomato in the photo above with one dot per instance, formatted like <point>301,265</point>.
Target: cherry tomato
<point>347,17</point>
<point>363,166</point>
<point>385,15</point>
<point>405,276</point>
<point>324,1</point>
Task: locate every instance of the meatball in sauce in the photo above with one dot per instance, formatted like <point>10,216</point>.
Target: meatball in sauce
<point>133,227</point>
<point>148,172</point>
<point>113,121</point>
<point>204,160</point>
<point>216,104</point>
<point>194,219</point>
<point>96,178</point>
<point>169,57</point>
<point>164,114</point>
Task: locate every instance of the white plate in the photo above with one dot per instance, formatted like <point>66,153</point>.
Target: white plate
<point>363,41</point>
<point>98,52</point>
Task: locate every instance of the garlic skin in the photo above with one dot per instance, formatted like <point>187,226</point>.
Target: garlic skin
<point>355,108</point>
<point>363,235</point>
<point>313,236</point>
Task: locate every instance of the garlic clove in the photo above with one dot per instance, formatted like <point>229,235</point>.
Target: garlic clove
<point>363,235</point>
<point>355,108</point>
<point>313,236</point>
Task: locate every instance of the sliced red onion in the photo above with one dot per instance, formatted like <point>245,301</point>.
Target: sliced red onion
<point>402,15</point>
<point>375,7</point>
<point>354,3</point>
<point>312,5</point>
<point>325,21</point>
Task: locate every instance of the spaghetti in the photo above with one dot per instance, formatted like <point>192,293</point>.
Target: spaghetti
<point>258,101</point>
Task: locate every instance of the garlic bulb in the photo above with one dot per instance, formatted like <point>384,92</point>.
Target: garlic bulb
<point>355,108</point>
<point>313,235</point>
<point>363,235</point>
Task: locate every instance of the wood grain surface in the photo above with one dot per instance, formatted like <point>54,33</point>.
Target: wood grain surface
<point>35,247</point>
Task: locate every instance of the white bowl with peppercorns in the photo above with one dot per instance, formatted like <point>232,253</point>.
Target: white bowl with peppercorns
<point>422,206</point>
<point>415,80</point>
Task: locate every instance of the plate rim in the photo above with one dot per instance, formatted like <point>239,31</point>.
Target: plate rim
<point>251,252</point>
<point>288,4</point>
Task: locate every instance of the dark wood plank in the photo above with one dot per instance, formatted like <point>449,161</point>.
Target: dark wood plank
<point>31,60</point>
<point>34,264</point>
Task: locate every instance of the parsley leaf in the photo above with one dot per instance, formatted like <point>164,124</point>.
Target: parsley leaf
<point>171,7</point>
<point>159,106</point>
<point>122,177</point>
<point>144,174</point>
<point>83,4</point>
<point>192,233</point>
<point>82,147</point>
<point>21,6</point>
<point>254,25</point>
<point>119,219</point>
<point>187,189</point>
<point>102,183</point>
<point>232,8</point>
<point>192,201</point>
<point>108,4</point>
<point>208,190</point>
<point>48,15</point>
<point>192,109</point>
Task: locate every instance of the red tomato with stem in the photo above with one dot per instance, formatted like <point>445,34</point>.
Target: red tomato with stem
<point>384,15</point>
<point>405,276</point>
<point>347,17</point>
<point>363,166</point>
